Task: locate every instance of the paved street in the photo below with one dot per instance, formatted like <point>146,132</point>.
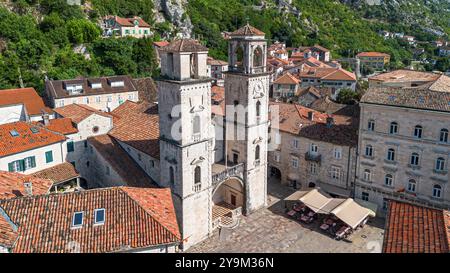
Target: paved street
<point>269,230</point>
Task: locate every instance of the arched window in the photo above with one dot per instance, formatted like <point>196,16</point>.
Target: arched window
<point>440,164</point>
<point>391,154</point>
<point>437,191</point>
<point>443,136</point>
<point>394,128</point>
<point>414,159</point>
<point>196,124</point>
<point>257,57</point>
<point>257,152</point>
<point>369,150</point>
<point>239,55</point>
<point>197,175</point>
<point>412,185</point>
<point>258,109</point>
<point>171,176</point>
<point>388,180</point>
<point>418,131</point>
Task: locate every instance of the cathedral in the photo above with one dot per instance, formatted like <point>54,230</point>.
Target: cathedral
<point>216,166</point>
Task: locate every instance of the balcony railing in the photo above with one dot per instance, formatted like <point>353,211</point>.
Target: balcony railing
<point>196,137</point>
<point>233,171</point>
<point>197,187</point>
<point>313,157</point>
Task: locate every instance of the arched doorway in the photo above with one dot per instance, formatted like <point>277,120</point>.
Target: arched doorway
<point>312,185</point>
<point>228,201</point>
<point>275,173</point>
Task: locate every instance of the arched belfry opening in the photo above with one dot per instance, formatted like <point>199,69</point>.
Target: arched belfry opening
<point>258,57</point>
<point>239,57</point>
<point>229,200</point>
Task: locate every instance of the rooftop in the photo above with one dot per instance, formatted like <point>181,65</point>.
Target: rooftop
<point>137,125</point>
<point>121,162</point>
<point>247,30</point>
<point>78,112</point>
<point>185,45</point>
<point>21,136</point>
<point>324,73</point>
<point>134,218</point>
<point>62,125</point>
<point>12,185</point>
<point>372,54</point>
<point>295,119</point>
<point>405,75</point>
<point>60,173</point>
<point>287,78</point>
<point>416,229</point>
<point>26,96</point>
<point>129,22</point>
<point>431,96</point>
<point>90,86</point>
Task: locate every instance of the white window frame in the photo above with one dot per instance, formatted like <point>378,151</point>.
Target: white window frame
<point>73,219</point>
<point>96,222</point>
<point>295,162</point>
<point>338,153</point>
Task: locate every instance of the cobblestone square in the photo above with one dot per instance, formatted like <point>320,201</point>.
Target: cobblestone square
<point>269,230</point>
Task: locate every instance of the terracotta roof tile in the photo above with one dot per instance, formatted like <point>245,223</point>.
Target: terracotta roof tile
<point>59,173</point>
<point>12,185</point>
<point>404,75</point>
<point>415,229</point>
<point>134,219</point>
<point>137,124</point>
<point>129,22</point>
<point>8,231</point>
<point>372,54</point>
<point>161,43</point>
<point>293,119</point>
<point>218,100</point>
<point>120,161</point>
<point>247,30</point>
<point>26,139</point>
<point>62,125</point>
<point>26,96</point>
<point>78,112</point>
<point>287,78</point>
<point>324,73</point>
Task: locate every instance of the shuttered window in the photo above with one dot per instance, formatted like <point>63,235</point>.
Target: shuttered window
<point>49,157</point>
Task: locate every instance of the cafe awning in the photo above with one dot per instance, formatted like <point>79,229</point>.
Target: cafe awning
<point>351,213</point>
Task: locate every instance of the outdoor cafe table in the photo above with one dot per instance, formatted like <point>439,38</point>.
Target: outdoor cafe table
<point>291,213</point>
<point>324,226</point>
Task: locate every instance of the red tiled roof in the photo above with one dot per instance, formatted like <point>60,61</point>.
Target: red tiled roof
<point>218,100</point>
<point>129,22</point>
<point>62,125</point>
<point>8,231</point>
<point>137,124</point>
<point>120,161</point>
<point>78,112</point>
<point>293,119</point>
<point>12,185</point>
<point>26,96</point>
<point>26,140</point>
<point>59,173</point>
<point>161,43</point>
<point>415,229</point>
<point>328,74</point>
<point>287,79</point>
<point>134,219</point>
<point>247,30</point>
<point>372,54</point>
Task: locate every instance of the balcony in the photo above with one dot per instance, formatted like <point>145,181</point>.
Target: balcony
<point>313,157</point>
<point>197,187</point>
<point>222,172</point>
<point>196,137</point>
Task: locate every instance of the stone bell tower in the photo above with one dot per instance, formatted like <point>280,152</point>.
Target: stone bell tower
<point>246,96</point>
<point>184,105</point>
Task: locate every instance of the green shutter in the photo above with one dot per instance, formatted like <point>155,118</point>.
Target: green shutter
<point>48,156</point>
<point>33,162</point>
<point>70,146</point>
<point>11,167</point>
<point>22,165</point>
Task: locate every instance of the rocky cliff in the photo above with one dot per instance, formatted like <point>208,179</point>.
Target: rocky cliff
<point>174,12</point>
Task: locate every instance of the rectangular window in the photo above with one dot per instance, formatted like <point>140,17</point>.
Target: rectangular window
<point>313,168</point>
<point>48,157</point>
<point>109,98</point>
<point>365,196</point>
<point>277,157</point>
<point>108,171</point>
<point>99,216</point>
<point>77,220</point>
<point>335,173</point>
<point>314,148</point>
<point>97,99</point>
<point>294,162</point>
<point>30,162</point>
<point>337,153</point>
<point>295,143</point>
<point>16,166</point>
<point>70,146</point>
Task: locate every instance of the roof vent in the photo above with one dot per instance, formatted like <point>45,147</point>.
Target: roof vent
<point>14,133</point>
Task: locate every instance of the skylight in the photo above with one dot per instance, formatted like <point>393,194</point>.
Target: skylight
<point>99,216</point>
<point>34,130</point>
<point>391,97</point>
<point>77,220</point>
<point>14,133</point>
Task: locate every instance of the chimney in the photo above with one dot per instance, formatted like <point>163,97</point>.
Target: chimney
<point>311,115</point>
<point>45,118</point>
<point>330,121</point>
<point>28,188</point>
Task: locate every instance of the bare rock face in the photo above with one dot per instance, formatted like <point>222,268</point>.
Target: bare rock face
<point>174,12</point>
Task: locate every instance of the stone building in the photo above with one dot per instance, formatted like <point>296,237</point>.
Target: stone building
<point>209,194</point>
<point>311,149</point>
<point>402,78</point>
<point>403,145</point>
<point>104,94</point>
